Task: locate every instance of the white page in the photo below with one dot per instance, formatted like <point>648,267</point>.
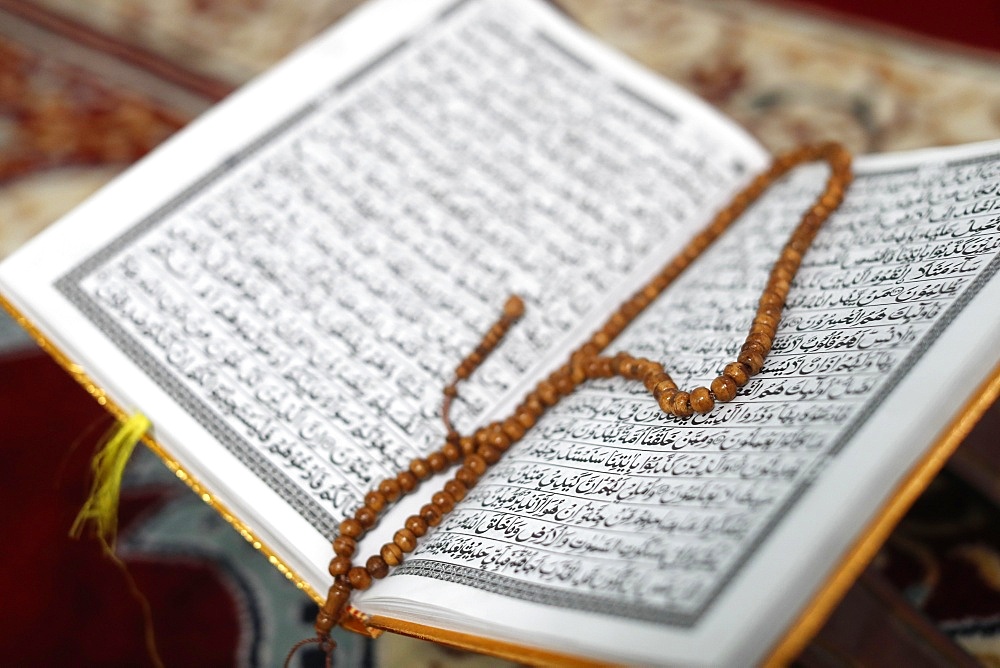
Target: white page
<point>707,536</point>
<point>181,288</point>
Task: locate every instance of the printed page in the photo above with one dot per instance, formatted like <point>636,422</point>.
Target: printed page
<point>639,531</point>
<point>286,288</point>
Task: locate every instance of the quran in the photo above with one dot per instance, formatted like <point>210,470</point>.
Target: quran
<point>285,287</point>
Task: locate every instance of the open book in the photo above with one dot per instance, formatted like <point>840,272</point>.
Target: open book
<point>285,287</point>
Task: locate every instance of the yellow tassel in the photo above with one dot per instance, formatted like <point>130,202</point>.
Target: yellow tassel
<point>100,511</point>
<point>101,508</point>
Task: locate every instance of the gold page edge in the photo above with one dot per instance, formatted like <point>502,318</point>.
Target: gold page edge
<point>864,549</point>
<point>78,374</point>
<point>481,644</point>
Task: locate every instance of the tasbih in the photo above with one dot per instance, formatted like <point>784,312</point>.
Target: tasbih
<point>478,452</point>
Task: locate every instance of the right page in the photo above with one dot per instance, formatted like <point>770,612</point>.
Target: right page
<point>614,531</point>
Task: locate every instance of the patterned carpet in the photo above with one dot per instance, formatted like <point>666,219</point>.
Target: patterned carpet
<point>88,88</point>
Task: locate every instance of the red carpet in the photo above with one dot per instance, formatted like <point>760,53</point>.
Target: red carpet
<point>59,594</point>
<point>974,23</point>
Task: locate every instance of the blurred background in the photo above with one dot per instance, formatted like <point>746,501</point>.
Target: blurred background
<point>87,88</point>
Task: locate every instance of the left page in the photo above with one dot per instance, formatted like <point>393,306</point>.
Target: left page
<point>286,286</point>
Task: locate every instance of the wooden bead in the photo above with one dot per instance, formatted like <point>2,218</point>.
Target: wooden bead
<point>738,373</point>
<point>724,388</point>
<point>456,489</point>
<point>653,379</point>
<point>490,454</point>
<point>377,567</point>
<point>782,271</point>
<point>344,546</point>
<point>791,256</point>
<point>830,201</point>
<point>390,489</point>
<point>466,476</point>
<point>339,566</point>
<point>664,386</point>
<point>564,383</point>
<point>773,311</point>
<point>547,393</point>
<point>336,596</point>
<point>324,623</point>
<point>754,347</point>
<point>762,339</point>
<point>451,451</point>
<point>533,404</point>
<point>799,243</point>
<point>513,308</point>
<point>701,400</point>
<point>500,441</point>
<point>779,285</point>
<point>431,514</point>
<point>513,429</point>
<point>525,418</point>
<point>420,468</point>
<point>359,578</point>
<point>771,299</point>
<point>467,444</point>
<point>407,482</point>
<point>437,461</point>
<point>621,362</point>
<point>682,405</point>
<point>752,360</point>
<point>444,501</point>
<point>375,500</point>
<point>405,540</point>
<point>391,553</point>
<point>416,524</point>
<point>763,330</point>
<point>476,463</point>
<point>367,516</point>
<point>351,528</point>
<point>788,264</point>
<point>332,608</point>
<point>666,401</point>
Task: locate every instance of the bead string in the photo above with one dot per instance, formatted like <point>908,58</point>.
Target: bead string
<point>485,447</point>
